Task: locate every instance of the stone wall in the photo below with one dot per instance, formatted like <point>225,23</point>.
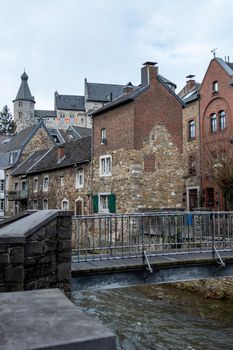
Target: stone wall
<point>35,252</point>
<point>148,178</point>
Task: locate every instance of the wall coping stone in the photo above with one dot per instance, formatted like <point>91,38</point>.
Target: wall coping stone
<point>18,231</point>
<point>46,319</point>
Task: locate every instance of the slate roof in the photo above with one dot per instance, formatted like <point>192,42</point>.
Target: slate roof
<point>24,92</point>
<point>29,163</point>
<point>81,132</point>
<point>45,114</point>
<point>76,152</point>
<point>18,140</point>
<point>103,92</point>
<point>69,102</point>
<point>227,66</point>
<point>125,98</point>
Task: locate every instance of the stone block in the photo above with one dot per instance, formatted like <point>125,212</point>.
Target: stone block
<point>51,230</point>
<point>64,271</point>
<point>64,245</point>
<point>34,248</point>
<point>64,222</point>
<point>64,233</point>
<point>30,261</point>
<point>45,282</point>
<point>16,255</point>
<point>30,285</point>
<point>48,269</point>
<point>64,257</point>
<point>38,235</point>
<point>50,246</point>
<point>14,274</point>
<point>32,273</point>
<point>4,259</point>
<point>51,258</point>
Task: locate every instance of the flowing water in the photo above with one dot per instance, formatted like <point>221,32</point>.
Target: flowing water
<point>161,317</point>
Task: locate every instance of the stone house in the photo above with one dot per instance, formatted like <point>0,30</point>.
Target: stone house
<point>191,143</point>
<point>58,177</point>
<point>16,150</point>
<point>137,148</point>
<point>216,125</point>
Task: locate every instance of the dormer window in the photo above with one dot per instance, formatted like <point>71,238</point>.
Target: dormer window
<point>103,136</point>
<point>215,86</point>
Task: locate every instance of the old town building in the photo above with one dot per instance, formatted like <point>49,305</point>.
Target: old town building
<point>58,177</point>
<point>191,143</point>
<point>216,126</point>
<point>137,148</point>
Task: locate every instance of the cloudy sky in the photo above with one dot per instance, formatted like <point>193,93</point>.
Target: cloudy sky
<point>60,42</point>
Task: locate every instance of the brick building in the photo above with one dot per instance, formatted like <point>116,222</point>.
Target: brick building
<point>216,126</point>
<point>137,148</point>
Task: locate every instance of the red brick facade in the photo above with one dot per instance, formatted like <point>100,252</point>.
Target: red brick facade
<point>214,136</point>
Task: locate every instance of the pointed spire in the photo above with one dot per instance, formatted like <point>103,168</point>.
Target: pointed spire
<point>24,92</point>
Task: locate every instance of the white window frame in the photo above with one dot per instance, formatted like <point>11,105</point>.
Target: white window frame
<point>45,187</point>
<point>63,202</point>
<point>35,184</point>
<point>103,209</point>
<point>105,169</point>
<point>1,204</point>
<point>62,181</point>
<point>80,178</point>
<point>47,205</point>
<point>1,185</point>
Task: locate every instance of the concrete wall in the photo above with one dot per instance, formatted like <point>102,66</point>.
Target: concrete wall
<point>35,252</point>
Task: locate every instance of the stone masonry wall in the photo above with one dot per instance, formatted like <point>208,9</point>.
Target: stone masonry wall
<point>149,178</point>
<point>40,260</point>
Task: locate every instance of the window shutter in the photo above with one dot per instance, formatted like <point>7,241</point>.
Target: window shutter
<point>112,203</point>
<point>95,201</point>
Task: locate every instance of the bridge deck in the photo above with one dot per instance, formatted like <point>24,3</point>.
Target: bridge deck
<point>159,262</point>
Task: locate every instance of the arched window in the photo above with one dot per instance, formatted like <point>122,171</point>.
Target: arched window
<point>213,123</point>
<point>65,204</point>
<point>191,130</point>
<point>215,86</point>
<point>45,204</point>
<point>46,184</point>
<point>79,204</point>
<point>222,120</point>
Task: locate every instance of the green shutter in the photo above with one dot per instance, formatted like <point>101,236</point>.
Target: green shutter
<point>95,202</point>
<point>112,203</point>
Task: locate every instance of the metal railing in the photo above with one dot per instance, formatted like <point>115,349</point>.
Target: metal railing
<point>100,237</point>
<point>17,195</point>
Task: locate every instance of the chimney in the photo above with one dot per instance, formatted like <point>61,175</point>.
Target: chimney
<point>128,88</point>
<point>148,72</point>
<point>60,153</point>
<point>190,83</point>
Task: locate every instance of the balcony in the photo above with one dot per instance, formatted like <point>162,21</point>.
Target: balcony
<point>17,195</point>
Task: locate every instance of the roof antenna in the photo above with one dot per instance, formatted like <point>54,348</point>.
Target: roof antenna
<point>214,52</point>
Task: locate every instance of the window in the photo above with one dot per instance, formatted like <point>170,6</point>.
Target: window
<point>35,204</point>
<point>215,86</point>
<point>192,165</point>
<point>1,204</point>
<point>106,165</point>
<point>45,204</point>
<point>103,136</point>
<point>24,185</point>
<point>20,115</point>
<point>104,203</point>
<point>65,204</point>
<point>222,120</point>
<point>16,186</point>
<point>210,196</point>
<point>191,130</point>
<point>1,185</point>
<point>31,115</point>
<point>20,104</point>
<point>7,182</point>
<point>213,123</point>
<point>35,184</point>
<point>80,178</point>
<point>62,181</point>
<point>46,184</point>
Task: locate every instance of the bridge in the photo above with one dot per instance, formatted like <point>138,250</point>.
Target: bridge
<point>123,250</point>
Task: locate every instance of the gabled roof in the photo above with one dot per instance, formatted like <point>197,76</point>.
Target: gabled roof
<point>227,66</point>
<point>103,92</point>
<point>45,114</point>
<point>76,152</point>
<point>69,102</point>
<point>29,162</point>
<point>24,92</point>
<point>80,131</point>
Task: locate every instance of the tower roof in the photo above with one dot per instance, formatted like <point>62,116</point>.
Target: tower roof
<point>24,92</point>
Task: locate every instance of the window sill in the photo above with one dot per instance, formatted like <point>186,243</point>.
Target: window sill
<point>190,139</point>
<point>105,175</point>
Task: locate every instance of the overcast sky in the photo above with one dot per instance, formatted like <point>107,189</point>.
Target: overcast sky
<point>61,42</point>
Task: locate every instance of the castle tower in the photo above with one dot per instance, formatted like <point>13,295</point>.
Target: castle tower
<point>24,105</point>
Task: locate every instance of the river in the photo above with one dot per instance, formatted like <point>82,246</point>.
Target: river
<point>161,318</point>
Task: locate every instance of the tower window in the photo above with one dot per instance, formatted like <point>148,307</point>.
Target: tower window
<point>20,104</point>
<point>20,115</point>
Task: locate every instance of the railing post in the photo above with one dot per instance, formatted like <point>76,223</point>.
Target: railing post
<point>213,234</point>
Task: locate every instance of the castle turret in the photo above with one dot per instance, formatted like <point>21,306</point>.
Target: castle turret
<point>24,105</point>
